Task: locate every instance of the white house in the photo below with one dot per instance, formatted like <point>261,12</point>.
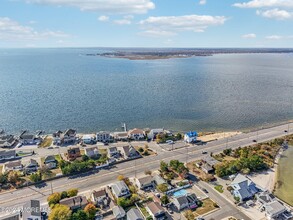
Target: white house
<point>104,136</point>
<point>154,132</point>
<point>190,136</point>
<point>120,189</point>
<point>145,182</point>
<point>12,166</point>
<point>92,152</point>
<point>156,210</point>
<point>87,139</point>
<point>136,134</point>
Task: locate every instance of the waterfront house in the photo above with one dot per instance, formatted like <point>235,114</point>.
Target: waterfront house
<point>156,211</point>
<point>100,198</point>
<point>118,212</point>
<point>92,152</point>
<point>73,153</point>
<point>50,162</point>
<point>8,141</point>
<point>112,152</point>
<point>120,189</point>
<point>243,188</point>
<point>190,137</point>
<point>145,182</point>
<point>154,132</point>
<point>185,201</point>
<point>57,137</point>
<point>129,152</point>
<point>136,134</point>
<point>28,139</point>
<point>88,139</point>
<point>69,136</point>
<point>75,203</point>
<point>12,166</point>
<point>7,155</point>
<point>120,136</point>
<point>32,210</point>
<point>31,166</point>
<point>134,214</point>
<point>104,136</point>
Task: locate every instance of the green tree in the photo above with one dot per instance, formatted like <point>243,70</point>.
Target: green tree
<point>13,177</point>
<point>72,192</point>
<point>3,178</point>
<point>163,166</point>
<point>54,198</point>
<point>64,195</point>
<point>35,177</point>
<point>90,210</point>
<point>80,215</point>
<point>123,202</point>
<point>60,212</point>
<point>178,136</point>
<point>165,199</point>
<point>85,158</point>
<point>162,187</point>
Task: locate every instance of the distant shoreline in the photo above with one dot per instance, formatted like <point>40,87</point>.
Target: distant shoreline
<point>158,54</point>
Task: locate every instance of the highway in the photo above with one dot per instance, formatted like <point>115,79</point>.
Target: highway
<point>137,167</point>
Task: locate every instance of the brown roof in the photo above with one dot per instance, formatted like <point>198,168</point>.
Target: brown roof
<point>99,193</point>
<point>12,164</point>
<point>136,131</point>
<point>74,201</point>
<point>155,207</point>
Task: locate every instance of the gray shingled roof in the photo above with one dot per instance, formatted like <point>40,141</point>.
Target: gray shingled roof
<point>134,214</point>
<point>118,212</point>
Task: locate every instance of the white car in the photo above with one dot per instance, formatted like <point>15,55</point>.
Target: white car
<point>170,142</point>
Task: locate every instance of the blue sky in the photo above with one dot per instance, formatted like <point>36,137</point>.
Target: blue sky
<point>146,23</point>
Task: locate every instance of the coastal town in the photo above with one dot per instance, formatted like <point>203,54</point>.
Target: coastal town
<point>172,175</point>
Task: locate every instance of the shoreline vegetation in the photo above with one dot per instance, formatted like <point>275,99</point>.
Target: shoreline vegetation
<point>158,54</point>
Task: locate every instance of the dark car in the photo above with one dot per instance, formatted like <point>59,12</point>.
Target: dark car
<point>254,140</point>
<point>204,152</point>
<point>205,190</point>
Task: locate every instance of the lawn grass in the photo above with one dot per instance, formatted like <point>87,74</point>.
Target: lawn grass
<point>284,183</point>
<point>208,205</point>
<point>219,188</point>
<point>47,142</point>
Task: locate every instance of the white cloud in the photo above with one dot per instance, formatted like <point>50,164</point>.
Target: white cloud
<point>103,18</point>
<point>170,25</point>
<point>125,20</point>
<point>156,33</point>
<point>202,2</point>
<point>12,30</point>
<point>105,6</point>
<point>278,37</point>
<point>265,3</point>
<point>249,36</point>
<point>275,14</point>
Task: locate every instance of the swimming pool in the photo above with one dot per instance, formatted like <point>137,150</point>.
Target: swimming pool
<point>181,192</point>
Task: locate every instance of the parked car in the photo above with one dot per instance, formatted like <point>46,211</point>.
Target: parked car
<point>205,190</point>
<point>170,142</point>
<point>204,152</point>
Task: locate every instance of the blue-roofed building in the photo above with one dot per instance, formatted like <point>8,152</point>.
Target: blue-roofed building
<point>243,188</point>
<point>190,136</point>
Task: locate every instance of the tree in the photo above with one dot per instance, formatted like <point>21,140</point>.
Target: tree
<point>90,210</point>
<point>189,215</point>
<point>35,177</point>
<point>178,136</point>
<point>163,166</point>
<point>13,177</point>
<point>3,178</point>
<point>85,158</point>
<point>132,189</point>
<point>122,202</point>
<point>162,187</point>
<point>120,178</point>
<point>134,198</point>
<point>54,198</point>
<point>80,215</point>
<point>60,212</point>
<point>72,192</point>
<point>64,195</point>
<point>165,199</point>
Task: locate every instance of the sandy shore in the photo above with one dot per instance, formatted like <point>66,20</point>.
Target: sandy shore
<point>217,136</point>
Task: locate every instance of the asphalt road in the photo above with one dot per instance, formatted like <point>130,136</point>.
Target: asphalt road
<point>132,168</point>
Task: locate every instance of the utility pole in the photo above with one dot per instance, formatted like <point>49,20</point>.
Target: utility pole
<point>51,187</point>
<point>135,168</point>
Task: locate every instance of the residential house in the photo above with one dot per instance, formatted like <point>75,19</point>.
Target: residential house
<point>185,201</point>
<point>104,136</point>
<point>129,152</point>
<point>8,141</point>
<point>75,203</point>
<point>121,136</point>
<point>209,163</point>
<point>7,155</point>
<point>243,188</point>
<point>73,153</point>
<point>136,134</point>
<point>272,207</point>
<point>57,137</point>
<point>120,189</point>
<point>69,136</point>
<point>145,182</point>
<point>190,137</point>
<point>50,162</point>
<point>31,166</point>
<point>100,198</point>
<point>156,211</point>
<point>134,214</point>
<point>12,166</point>
<point>158,180</point>
<point>31,210</point>
<point>118,212</point>
<point>154,132</point>
<point>92,152</point>
<point>112,151</point>
<point>207,168</point>
<point>88,139</point>
<point>28,139</point>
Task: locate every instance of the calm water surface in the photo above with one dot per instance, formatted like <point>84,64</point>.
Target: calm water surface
<point>53,89</point>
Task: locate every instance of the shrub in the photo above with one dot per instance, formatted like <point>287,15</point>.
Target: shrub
<point>72,192</point>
